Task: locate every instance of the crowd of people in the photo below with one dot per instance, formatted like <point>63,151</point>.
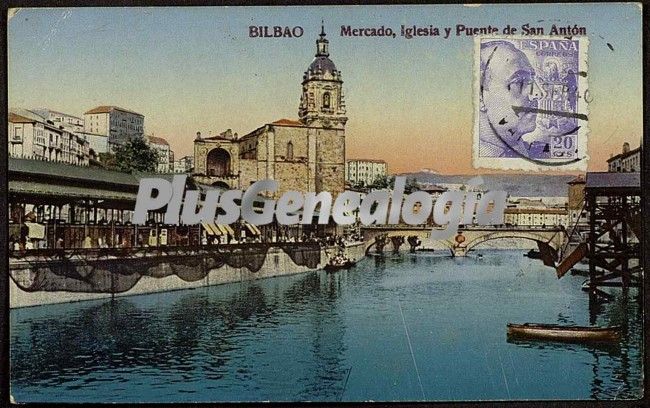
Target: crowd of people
<point>32,235</point>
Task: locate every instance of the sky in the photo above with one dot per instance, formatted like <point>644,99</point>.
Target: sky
<point>409,102</point>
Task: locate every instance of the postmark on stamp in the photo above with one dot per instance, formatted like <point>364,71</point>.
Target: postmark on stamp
<point>530,103</point>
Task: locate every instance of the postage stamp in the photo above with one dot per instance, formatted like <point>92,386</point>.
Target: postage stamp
<point>530,103</point>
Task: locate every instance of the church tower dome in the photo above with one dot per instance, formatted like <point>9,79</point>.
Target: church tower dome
<point>322,103</point>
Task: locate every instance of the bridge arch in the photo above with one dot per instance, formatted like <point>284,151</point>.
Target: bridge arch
<point>371,233</point>
<point>552,238</point>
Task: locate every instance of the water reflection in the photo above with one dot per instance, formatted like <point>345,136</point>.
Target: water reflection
<point>298,338</point>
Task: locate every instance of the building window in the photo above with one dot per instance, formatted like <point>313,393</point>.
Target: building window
<point>326,100</point>
<point>289,151</point>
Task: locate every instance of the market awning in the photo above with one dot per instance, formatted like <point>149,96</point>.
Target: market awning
<point>211,229</point>
<point>252,229</point>
<point>221,229</point>
<point>229,230</point>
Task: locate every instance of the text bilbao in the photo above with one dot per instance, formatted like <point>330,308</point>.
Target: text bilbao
<point>378,207</point>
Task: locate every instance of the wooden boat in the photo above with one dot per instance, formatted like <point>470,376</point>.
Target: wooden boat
<point>564,333</point>
<point>330,267</point>
<point>532,254</point>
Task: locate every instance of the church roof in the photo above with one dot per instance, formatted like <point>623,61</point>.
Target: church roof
<point>322,63</point>
<point>287,122</point>
<point>218,137</point>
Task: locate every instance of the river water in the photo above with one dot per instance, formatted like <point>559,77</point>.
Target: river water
<point>408,327</point>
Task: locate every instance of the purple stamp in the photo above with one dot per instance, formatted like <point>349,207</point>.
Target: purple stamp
<point>530,97</point>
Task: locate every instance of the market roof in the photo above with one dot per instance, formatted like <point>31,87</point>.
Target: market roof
<point>53,180</point>
<point>37,188</point>
<point>613,181</point>
<point>40,168</point>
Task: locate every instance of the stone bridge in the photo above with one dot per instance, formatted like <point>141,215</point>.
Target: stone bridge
<point>459,244</point>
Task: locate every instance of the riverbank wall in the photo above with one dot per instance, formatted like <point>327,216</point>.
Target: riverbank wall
<point>160,276</point>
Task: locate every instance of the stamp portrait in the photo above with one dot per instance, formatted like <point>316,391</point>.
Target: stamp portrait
<point>530,103</point>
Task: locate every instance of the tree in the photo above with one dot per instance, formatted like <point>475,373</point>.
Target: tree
<point>383,182</point>
<point>358,185</point>
<point>411,185</point>
<point>136,155</point>
<point>108,160</point>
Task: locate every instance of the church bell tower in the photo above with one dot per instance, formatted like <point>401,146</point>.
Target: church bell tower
<point>322,103</point>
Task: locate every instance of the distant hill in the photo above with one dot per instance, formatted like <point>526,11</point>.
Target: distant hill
<point>518,185</point>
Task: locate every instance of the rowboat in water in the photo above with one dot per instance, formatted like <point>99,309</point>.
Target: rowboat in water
<point>335,267</point>
<point>532,254</point>
<point>556,332</point>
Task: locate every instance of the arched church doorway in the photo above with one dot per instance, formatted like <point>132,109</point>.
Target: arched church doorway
<point>218,163</point>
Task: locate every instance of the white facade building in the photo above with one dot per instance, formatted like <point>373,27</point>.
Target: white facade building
<point>184,164</point>
<point>97,143</point>
<point>26,136</point>
<point>626,161</point>
<point>33,136</point>
<point>536,217</point>
<point>165,155</point>
<point>118,124</point>
<point>527,202</point>
<point>61,119</point>
<point>364,171</point>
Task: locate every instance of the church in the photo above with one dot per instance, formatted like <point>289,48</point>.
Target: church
<point>304,155</point>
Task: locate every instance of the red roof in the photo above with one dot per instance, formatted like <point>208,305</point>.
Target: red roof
<point>14,118</point>
<point>109,109</point>
<point>287,122</point>
<point>578,180</point>
<point>157,140</point>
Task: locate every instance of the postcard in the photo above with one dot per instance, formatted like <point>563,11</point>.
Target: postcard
<point>335,204</point>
